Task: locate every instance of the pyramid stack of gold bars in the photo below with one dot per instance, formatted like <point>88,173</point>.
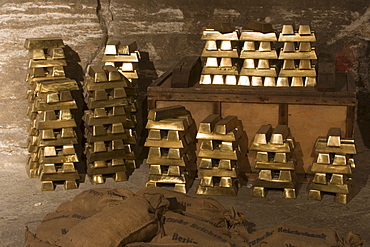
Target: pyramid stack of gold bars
<point>305,73</point>
<point>333,167</point>
<point>108,124</point>
<point>223,155</point>
<point>274,160</point>
<point>256,69</point>
<point>51,131</point>
<point>171,141</point>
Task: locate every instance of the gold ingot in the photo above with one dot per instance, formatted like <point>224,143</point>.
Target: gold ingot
<point>118,111</point>
<point>175,153</point>
<point>218,79</point>
<point>263,64</point>
<point>49,116</point>
<point>127,47</point>
<point>334,135</point>
<point>111,48</point>
<point>99,163</point>
<point>220,33</point>
<point>288,64</point>
<point>289,47</point>
<point>47,134</point>
<point>127,67</point>
<point>117,128</point>
<point>226,124</point>
<point>282,82</point>
<point>249,46</point>
<point>338,179</point>
<point>100,95</point>
<point>279,134</point>
<point>226,62</point>
<point>258,36</point>
<point>343,189</point>
<point>249,63</point>
<point>265,175</point>
<point>287,29</point>
<point>110,63</point>
<point>38,54</point>
<point>168,124</point>
<point>269,82</point>
<point>168,179</point>
<point>320,178</point>
<point>174,171</point>
<point>342,198</point>
<point>68,150</point>
<point>226,164</point>
<point>226,182</point>
<point>55,85</point>
<point>305,64</point>
<point>97,179</point>
<point>340,160</point>
<point>216,172</point>
<point>50,151</point>
<point>91,85</point>
<point>289,193</point>
<point>275,184</point>
<point>43,43</point>
<point>49,168</point>
<point>155,152</point>
<point>119,93</point>
<point>305,46</point>
<point>226,45</point>
<point>259,192</point>
<point>117,144</point>
<point>118,162</point>
<point>281,157</point>
<point>314,195</point>
<point>154,134</point>
<point>285,176</point>
<point>324,168</point>
<point>262,156</point>
<point>99,147</point>
<point>228,146</point>
<point>244,80</point>
<point>65,114</point>
<point>265,46</point>
<point>167,112</point>
<point>36,72</point>
<point>290,165</point>
<point>211,62</point>
<point>310,81</point>
<point>65,96</point>
<point>230,80</point>
<point>206,182</point>
<point>206,163</point>
<point>297,82</point>
<point>100,112</point>
<point>70,185</point>
<point>347,146</point>
<point>98,74</point>
<point>113,73</point>
<point>155,170</point>
<point>207,145</point>
<point>68,167</point>
<point>99,130</point>
<point>211,45</point>
<point>132,57</point>
<point>205,79</point>
<point>263,134</point>
<point>46,63</point>
<point>56,53</point>
<point>304,30</point>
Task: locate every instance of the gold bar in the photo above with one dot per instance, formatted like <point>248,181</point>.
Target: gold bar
<point>244,81</point>
<point>211,62</point>
<point>305,46</point>
<point>275,184</point>
<point>343,189</point>
<point>168,124</point>
<point>38,54</point>
<point>226,45</point>
<point>234,53</point>
<point>226,62</point>
<point>287,29</point>
<point>288,64</point>
<point>334,135</point>
<point>68,149</point>
<point>208,124</point>
<point>338,179</point>
<point>258,54</point>
<point>65,114</point>
<point>117,145</point>
<point>304,30</point>
<point>258,36</point>
<point>131,58</point>
<point>339,160</point>
<point>297,38</point>
<point>288,47</point>
<point>68,167</point>
<point>127,47</point>
<point>285,176</point>
<point>119,93</point>
<point>297,82</point>
<point>91,85</point>
<point>218,190</point>
<point>43,43</point>
<point>263,134</point>
<point>265,175</point>
<point>304,64</point>
<point>249,46</point>
<point>211,34</point>
<point>113,73</point>
<point>265,46</point>
<point>100,95</point>
<point>211,45</point>
<point>98,74</point>
<point>346,147</point>
<point>99,147</point>
<point>310,81</point>
<point>249,63</point>
<point>48,168</point>
<point>282,82</point>
<point>47,134</point>
<point>167,112</point>
<point>56,53</point>
<point>55,85</point>
<point>256,81</point>
<point>226,124</point>
<point>117,128</point>
<point>46,63</point>
<point>320,178</point>
<point>323,168</point>
<point>111,48</point>
<point>263,64</point>
<point>215,171</point>
<point>290,165</point>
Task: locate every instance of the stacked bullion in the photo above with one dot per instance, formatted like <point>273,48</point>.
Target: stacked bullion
<point>222,56</point>
<point>305,73</point>
<point>51,131</point>
<point>333,167</point>
<point>108,124</point>
<point>274,160</point>
<point>223,154</point>
<point>257,53</point>
<point>171,142</point>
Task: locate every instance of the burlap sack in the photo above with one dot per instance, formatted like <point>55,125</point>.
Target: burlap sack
<point>297,236</point>
<point>135,219</point>
<point>184,229</point>
<point>95,199</point>
<point>32,241</point>
<point>199,207</point>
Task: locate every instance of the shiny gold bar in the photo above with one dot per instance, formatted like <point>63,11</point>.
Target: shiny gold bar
<point>323,168</point>
<point>320,178</point>
<point>43,43</point>
<point>275,184</point>
<point>99,147</point>
<point>167,112</point>
<point>208,124</point>
<point>263,64</point>
<point>339,160</point>
<point>217,154</point>
<point>168,124</point>
<point>265,175</point>
<point>288,64</point>
<point>287,29</point>
<point>111,48</point>
<point>297,82</point>
<point>249,46</point>
<point>166,143</point>
<point>91,85</point>
<point>226,45</point>
<point>264,46</point>
<point>346,147</point>
<point>310,82</point>
<point>290,165</point>
<point>186,160</point>
<point>90,120</point>
<point>226,124</point>
<point>258,54</point>
<point>304,29</point>
<point>119,93</point>
<point>59,176</point>
<point>41,105</point>
<point>304,64</point>
<point>305,47</point>
<point>211,34</point>
<point>279,135</point>
<point>269,72</point>
<point>127,47</point>
<point>226,62</point>
<point>217,71</point>
<point>92,103</point>
<point>343,189</point>
<point>92,170</point>
<point>263,134</point>
<point>211,45</point>
<point>98,74</point>
<point>115,154</point>
<point>56,53</point>
<point>258,36</point>
<point>112,73</point>
<point>68,149</point>
<point>55,124</point>
<point>130,58</point>
<point>338,179</point>
<point>233,53</point>
<point>36,72</point>
<point>244,81</point>
<point>297,38</point>
<point>205,79</point>
<point>288,47</point>
<point>334,137</point>
<point>38,54</point>
<point>215,171</point>
<point>230,80</point>
<point>57,159</point>
<point>282,82</point>
<point>46,63</point>
<point>298,72</point>
<point>218,191</point>
<point>168,179</point>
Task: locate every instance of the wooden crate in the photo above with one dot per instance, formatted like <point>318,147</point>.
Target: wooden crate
<point>309,113</point>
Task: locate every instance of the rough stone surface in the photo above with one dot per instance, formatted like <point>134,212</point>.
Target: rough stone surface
<point>167,30</point>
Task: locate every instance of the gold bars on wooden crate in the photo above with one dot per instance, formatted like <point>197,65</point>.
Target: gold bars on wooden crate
<point>297,54</point>
<point>333,167</point>
<point>223,155</point>
<point>275,161</point>
<point>171,141</point>
<point>257,52</point>
<point>52,133</point>
<point>109,121</point>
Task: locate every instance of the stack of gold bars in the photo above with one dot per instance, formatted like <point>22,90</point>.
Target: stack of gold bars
<point>171,142</point>
<point>108,124</point>
<point>51,131</point>
<point>124,56</point>
<point>257,53</point>
<point>222,55</point>
<point>333,167</point>
<point>305,73</point>
<point>275,161</point>
<point>223,155</point>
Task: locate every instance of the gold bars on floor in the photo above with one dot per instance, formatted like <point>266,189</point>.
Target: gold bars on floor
<point>332,167</point>
<point>297,55</point>
<point>110,120</point>
<point>223,155</point>
<point>275,160</point>
<point>52,108</point>
<point>171,141</point>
